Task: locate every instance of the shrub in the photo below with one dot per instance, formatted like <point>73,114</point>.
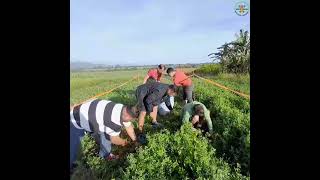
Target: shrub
<point>210,69</point>
<point>183,155</point>
<point>231,125</point>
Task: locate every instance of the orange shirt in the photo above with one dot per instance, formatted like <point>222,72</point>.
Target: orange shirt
<point>153,73</point>
<point>181,79</point>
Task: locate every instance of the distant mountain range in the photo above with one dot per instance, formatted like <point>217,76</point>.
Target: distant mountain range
<point>78,65</point>
<point>83,65</point>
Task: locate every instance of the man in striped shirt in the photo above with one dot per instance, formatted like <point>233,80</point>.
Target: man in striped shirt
<point>105,118</point>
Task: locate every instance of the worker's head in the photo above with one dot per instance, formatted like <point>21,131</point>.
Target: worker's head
<point>171,72</point>
<point>172,90</point>
<point>161,68</point>
<point>129,113</point>
<point>198,111</point>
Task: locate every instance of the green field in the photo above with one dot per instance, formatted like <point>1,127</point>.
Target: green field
<point>175,152</point>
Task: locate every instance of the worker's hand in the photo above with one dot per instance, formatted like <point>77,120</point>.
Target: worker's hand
<point>142,139</point>
<point>125,143</point>
<point>195,119</point>
<point>140,131</point>
<point>208,134</point>
<point>136,143</point>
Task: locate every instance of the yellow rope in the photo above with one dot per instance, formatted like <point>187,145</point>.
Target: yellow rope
<point>223,87</point>
<point>104,93</point>
<point>138,77</point>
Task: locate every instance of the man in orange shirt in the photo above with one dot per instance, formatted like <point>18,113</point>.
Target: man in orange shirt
<point>154,74</point>
<point>181,79</point>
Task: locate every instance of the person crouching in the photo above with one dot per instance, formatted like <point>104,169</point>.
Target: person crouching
<point>104,118</point>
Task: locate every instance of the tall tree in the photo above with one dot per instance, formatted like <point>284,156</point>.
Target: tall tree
<point>235,56</point>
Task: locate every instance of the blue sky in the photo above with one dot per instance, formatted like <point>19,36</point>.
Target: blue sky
<point>151,31</point>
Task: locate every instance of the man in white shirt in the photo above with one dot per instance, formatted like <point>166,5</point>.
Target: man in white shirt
<point>166,106</point>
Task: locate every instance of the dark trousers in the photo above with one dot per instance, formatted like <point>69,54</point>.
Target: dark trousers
<point>188,93</point>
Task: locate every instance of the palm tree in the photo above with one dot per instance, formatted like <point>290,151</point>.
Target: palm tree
<point>235,56</point>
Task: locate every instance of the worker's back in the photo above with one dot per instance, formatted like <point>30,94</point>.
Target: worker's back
<point>98,116</point>
<point>181,79</point>
<point>149,88</point>
<point>189,107</point>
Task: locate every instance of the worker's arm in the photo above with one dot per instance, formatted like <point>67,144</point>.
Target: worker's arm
<point>185,116</point>
<point>208,119</point>
<point>131,133</point>
<point>145,79</point>
<point>159,78</point>
<point>118,140</point>
<point>186,112</point>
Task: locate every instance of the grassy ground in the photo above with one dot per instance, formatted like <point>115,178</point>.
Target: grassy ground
<point>87,84</point>
<point>230,114</point>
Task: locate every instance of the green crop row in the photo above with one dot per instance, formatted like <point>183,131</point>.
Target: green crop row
<point>185,154</point>
<point>231,123</point>
<point>176,152</point>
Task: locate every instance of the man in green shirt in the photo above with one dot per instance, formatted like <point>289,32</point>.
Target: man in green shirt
<point>198,114</point>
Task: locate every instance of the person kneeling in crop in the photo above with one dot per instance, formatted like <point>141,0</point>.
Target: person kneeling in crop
<point>198,114</point>
<point>104,118</point>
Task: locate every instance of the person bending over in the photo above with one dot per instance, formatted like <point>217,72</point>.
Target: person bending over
<point>149,96</point>
<point>180,79</point>
<point>199,116</point>
<point>154,75</point>
<point>104,118</point>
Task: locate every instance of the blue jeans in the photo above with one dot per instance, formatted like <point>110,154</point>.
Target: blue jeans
<point>75,139</point>
<point>105,146</point>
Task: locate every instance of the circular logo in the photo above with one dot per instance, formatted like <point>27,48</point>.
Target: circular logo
<point>242,8</point>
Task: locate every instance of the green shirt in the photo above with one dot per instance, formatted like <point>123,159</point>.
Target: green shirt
<point>187,113</point>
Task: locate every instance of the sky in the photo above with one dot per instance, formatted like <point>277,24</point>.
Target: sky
<point>139,32</point>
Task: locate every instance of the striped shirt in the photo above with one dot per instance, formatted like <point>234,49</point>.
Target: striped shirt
<point>100,116</point>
